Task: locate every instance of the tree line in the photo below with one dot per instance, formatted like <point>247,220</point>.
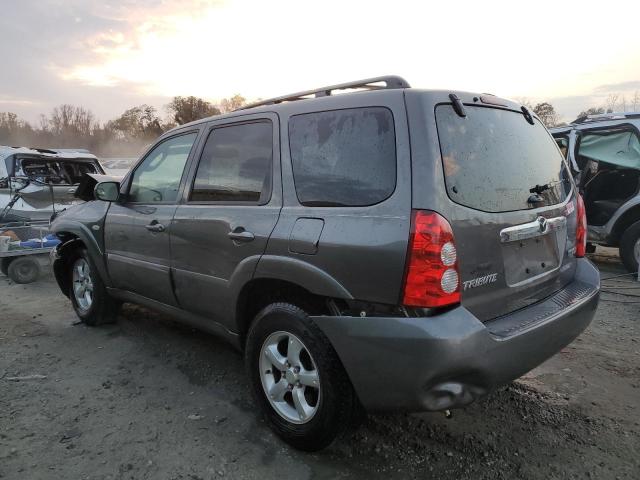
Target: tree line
<point>614,102</point>
<point>70,126</point>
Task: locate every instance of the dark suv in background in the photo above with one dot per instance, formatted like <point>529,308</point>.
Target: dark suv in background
<point>391,248</point>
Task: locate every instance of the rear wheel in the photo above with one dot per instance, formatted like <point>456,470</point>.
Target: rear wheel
<point>630,247</point>
<point>89,297</point>
<point>24,270</point>
<point>297,378</point>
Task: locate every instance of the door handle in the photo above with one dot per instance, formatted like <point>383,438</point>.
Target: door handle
<point>155,227</point>
<point>239,234</point>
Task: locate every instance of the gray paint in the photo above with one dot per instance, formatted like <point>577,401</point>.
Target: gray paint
<point>451,359</point>
<point>196,272</point>
<point>305,235</point>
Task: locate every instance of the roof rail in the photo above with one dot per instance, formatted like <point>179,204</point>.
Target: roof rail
<point>601,117</point>
<point>390,82</point>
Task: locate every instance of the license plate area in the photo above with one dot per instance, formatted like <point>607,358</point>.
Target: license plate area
<point>529,258</point>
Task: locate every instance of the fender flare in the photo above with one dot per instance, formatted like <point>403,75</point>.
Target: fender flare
<point>302,273</point>
<point>82,233</point>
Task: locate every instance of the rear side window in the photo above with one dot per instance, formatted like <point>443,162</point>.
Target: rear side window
<point>494,160</point>
<point>343,157</point>
<point>235,165</point>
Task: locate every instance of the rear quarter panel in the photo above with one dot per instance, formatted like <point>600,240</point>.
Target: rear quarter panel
<point>362,248</point>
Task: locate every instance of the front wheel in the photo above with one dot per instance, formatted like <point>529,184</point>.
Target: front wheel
<point>297,378</point>
<point>630,247</point>
<point>89,297</point>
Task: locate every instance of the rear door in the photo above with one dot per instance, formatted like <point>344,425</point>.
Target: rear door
<point>229,211</point>
<point>137,229</point>
<point>507,192</point>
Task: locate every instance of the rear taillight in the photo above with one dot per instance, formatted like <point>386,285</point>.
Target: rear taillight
<point>581,229</point>
<point>431,277</point>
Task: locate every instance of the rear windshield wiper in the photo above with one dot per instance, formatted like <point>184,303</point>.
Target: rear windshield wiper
<point>527,115</point>
<point>538,189</point>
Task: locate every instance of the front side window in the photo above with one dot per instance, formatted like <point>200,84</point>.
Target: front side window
<point>343,157</point>
<point>157,178</point>
<point>235,165</point>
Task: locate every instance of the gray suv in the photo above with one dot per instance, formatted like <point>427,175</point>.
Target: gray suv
<point>384,249</point>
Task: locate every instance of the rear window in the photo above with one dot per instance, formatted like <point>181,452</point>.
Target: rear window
<point>494,160</point>
<point>343,157</point>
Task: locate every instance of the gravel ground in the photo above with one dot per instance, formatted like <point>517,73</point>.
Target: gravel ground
<point>148,398</point>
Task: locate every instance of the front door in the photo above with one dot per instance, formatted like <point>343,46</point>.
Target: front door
<point>137,229</point>
<point>222,228</point>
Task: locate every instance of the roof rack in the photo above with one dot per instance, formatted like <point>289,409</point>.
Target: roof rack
<point>390,82</point>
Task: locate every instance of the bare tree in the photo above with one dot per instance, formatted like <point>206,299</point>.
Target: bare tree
<point>612,102</point>
<point>139,122</point>
<point>635,101</point>
<point>525,101</point>
<point>547,114</point>
<point>233,103</point>
<point>187,109</point>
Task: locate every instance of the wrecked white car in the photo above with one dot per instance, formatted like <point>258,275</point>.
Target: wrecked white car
<point>37,183</point>
<point>604,154</point>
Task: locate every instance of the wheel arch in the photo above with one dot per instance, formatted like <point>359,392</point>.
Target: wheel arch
<point>261,292</point>
<point>73,239</point>
<point>628,218</point>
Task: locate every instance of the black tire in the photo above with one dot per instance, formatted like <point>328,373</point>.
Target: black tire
<point>627,244</point>
<point>4,265</point>
<point>337,399</point>
<point>103,309</point>
<point>24,270</point>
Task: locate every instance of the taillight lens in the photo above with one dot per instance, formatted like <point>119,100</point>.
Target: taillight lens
<point>581,229</point>
<point>432,278</point>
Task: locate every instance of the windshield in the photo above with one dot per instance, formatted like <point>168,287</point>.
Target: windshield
<point>496,161</point>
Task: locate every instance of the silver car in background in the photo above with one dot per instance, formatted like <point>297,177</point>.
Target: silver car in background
<point>36,183</point>
<point>604,154</point>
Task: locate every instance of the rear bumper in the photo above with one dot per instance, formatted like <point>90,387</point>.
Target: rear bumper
<point>451,359</point>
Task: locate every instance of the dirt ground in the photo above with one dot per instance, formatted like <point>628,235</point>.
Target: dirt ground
<point>148,398</point>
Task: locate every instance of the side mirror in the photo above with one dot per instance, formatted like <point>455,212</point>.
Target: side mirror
<point>107,191</point>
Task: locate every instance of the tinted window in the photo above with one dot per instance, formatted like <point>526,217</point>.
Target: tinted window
<point>493,157</point>
<point>236,165</point>
<point>343,157</point>
<point>157,178</point>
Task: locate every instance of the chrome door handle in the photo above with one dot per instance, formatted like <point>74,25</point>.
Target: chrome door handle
<point>239,234</point>
<point>155,227</point>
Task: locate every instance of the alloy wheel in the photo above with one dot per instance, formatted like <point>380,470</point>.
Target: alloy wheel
<point>82,284</point>
<point>289,377</point>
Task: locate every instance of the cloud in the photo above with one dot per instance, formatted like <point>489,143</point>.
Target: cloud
<point>619,87</point>
<point>109,55</point>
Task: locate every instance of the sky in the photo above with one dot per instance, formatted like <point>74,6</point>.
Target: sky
<point>110,55</point>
